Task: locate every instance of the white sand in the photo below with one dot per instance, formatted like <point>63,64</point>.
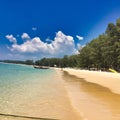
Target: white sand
<point>106,79</point>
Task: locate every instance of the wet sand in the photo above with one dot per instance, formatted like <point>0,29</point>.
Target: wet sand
<point>105,79</point>
<point>93,101</point>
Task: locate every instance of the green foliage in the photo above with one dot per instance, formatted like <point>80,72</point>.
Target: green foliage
<point>49,62</point>
<point>104,51</point>
<point>27,62</point>
<point>66,61</point>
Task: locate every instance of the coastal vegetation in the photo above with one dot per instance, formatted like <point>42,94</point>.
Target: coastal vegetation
<point>27,62</point>
<point>101,53</point>
<point>104,51</point>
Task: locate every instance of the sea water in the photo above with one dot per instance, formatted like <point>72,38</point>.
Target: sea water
<point>29,93</point>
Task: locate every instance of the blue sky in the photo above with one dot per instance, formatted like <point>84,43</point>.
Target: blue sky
<point>32,29</point>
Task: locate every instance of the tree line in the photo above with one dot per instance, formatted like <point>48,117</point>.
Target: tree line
<point>27,62</point>
<point>66,61</point>
<point>104,51</point>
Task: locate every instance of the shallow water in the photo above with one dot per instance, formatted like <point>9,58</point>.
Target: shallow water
<point>92,101</point>
<point>29,92</point>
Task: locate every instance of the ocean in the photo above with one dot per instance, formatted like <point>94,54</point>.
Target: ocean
<point>29,93</point>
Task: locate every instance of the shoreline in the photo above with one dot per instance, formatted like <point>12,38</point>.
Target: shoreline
<point>105,79</point>
<point>93,89</point>
<point>75,113</point>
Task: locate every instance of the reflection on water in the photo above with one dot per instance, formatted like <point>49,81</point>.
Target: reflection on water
<point>107,101</point>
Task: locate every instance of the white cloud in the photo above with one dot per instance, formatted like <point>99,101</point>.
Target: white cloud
<point>11,38</point>
<point>25,36</point>
<point>61,45</point>
<point>34,28</point>
<point>79,37</point>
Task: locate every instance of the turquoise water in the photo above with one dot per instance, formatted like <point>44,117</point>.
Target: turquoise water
<point>26,91</point>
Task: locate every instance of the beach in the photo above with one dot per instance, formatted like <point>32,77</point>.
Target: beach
<point>94,95</point>
<point>105,79</point>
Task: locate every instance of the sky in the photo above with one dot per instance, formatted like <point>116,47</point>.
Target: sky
<point>33,29</point>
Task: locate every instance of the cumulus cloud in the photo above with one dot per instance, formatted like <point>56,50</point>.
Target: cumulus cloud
<point>29,46</point>
<point>61,45</point>
<point>11,38</point>
<point>79,37</point>
<point>25,36</point>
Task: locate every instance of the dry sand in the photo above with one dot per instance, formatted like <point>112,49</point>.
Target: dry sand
<point>105,79</point>
<point>94,96</point>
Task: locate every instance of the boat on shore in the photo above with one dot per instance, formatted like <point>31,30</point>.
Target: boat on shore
<point>40,67</point>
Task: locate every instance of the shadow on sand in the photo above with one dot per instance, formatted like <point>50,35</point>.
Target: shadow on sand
<point>27,117</point>
<point>105,95</point>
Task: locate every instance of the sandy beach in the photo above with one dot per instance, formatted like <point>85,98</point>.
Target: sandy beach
<point>105,79</point>
<point>94,95</point>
